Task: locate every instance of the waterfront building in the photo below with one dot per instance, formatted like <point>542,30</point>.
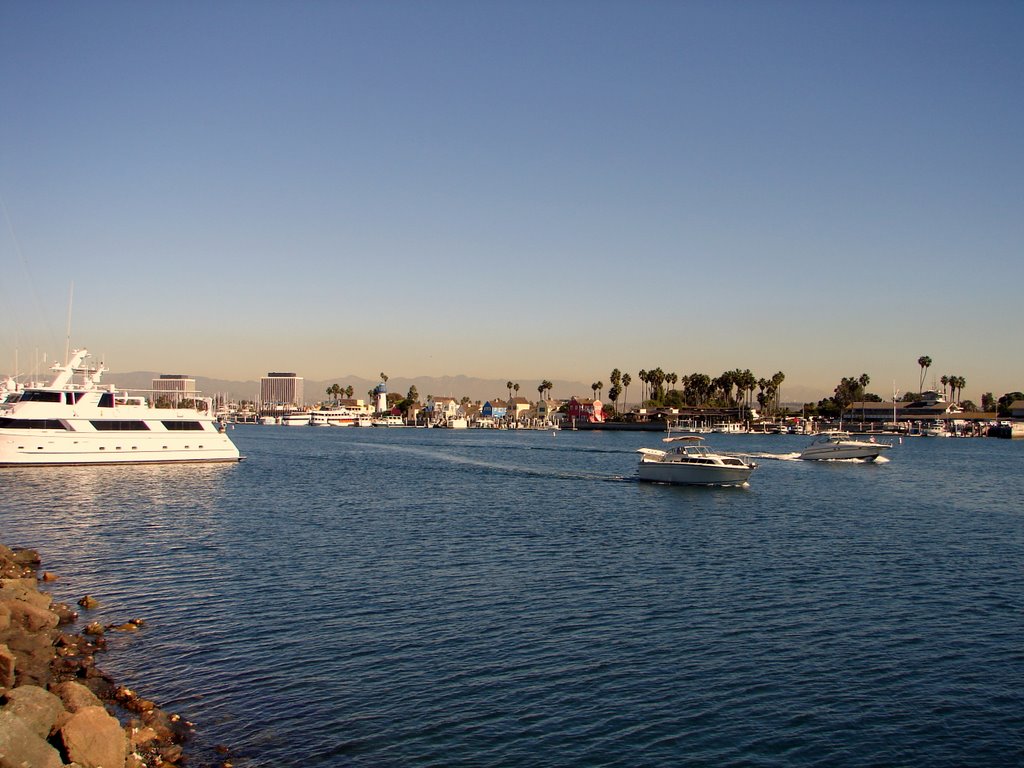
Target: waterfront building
<point>442,409</point>
<point>585,410</point>
<point>171,388</point>
<point>278,390</point>
<point>494,409</point>
<point>547,411</point>
<point>517,407</point>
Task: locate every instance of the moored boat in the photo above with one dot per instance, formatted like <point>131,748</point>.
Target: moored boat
<point>65,422</point>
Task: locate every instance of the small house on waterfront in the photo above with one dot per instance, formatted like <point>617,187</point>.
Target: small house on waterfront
<point>494,409</point>
<point>517,407</point>
<point>584,410</point>
<point>441,409</point>
<point>547,411</point>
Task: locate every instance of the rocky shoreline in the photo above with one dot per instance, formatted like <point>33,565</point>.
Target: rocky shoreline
<point>56,707</point>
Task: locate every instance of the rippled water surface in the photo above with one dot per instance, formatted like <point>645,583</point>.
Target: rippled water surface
<point>408,597</point>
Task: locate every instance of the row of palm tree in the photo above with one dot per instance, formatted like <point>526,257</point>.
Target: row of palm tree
<point>732,388</point>
<point>955,384</point>
<point>336,391</point>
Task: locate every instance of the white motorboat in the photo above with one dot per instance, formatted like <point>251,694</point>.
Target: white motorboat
<point>65,422</point>
<point>296,419</point>
<point>692,464</point>
<point>830,446</point>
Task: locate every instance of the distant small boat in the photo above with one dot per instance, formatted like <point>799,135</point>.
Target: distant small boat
<point>692,464</point>
<point>835,445</point>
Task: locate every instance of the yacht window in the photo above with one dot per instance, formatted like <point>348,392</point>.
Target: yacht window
<point>107,400</point>
<point>183,425</point>
<point>119,425</point>
<point>6,423</point>
<point>74,397</point>
<point>41,396</point>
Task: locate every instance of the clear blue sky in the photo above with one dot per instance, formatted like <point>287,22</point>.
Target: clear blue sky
<point>520,190</point>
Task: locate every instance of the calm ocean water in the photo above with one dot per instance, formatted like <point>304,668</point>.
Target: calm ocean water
<point>359,597</point>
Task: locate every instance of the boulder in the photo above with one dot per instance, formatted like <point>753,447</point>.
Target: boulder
<point>94,739</point>
<point>27,557</point>
<point>20,746</point>
<point>7,667</point>
<point>37,708</point>
<point>33,653</point>
<point>94,628</point>
<point>26,590</point>
<point>65,614</point>
<point>34,618</point>
<point>89,602</point>
<point>76,696</point>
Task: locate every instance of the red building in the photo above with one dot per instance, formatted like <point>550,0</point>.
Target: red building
<point>585,411</point>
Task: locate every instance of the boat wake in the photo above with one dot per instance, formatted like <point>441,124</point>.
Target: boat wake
<point>795,456</point>
<point>493,466</point>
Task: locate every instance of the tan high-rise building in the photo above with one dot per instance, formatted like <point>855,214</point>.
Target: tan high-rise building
<point>174,387</point>
<point>281,389</point>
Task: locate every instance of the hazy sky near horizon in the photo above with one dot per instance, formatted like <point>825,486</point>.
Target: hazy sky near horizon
<point>517,190</point>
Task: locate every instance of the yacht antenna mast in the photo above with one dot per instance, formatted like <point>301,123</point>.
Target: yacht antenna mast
<point>67,341</point>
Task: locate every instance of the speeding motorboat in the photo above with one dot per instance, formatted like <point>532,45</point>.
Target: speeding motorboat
<point>692,464</point>
<point>830,446</point>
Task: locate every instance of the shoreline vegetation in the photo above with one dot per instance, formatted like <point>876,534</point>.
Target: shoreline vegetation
<point>57,708</point>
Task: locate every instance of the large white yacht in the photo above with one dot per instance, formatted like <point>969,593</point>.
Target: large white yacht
<point>65,422</point>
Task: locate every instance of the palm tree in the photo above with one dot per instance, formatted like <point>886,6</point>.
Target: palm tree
<point>540,391</point>
<point>863,381</point>
<point>777,380</point>
<point>383,378</point>
<point>626,381</point>
<point>642,375</point>
<point>349,391</point>
<point>600,386</point>
<point>945,380</point>
<point>516,388</point>
<point>508,386</point>
<point>961,382</point>
<point>925,362</point>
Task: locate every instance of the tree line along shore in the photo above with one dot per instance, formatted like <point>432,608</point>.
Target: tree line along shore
<point>57,708</point>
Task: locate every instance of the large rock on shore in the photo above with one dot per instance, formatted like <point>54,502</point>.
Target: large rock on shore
<point>93,739</point>
<point>20,746</point>
<point>38,709</point>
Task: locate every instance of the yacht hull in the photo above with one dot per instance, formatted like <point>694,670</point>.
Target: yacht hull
<point>688,474</point>
<point>36,448</point>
